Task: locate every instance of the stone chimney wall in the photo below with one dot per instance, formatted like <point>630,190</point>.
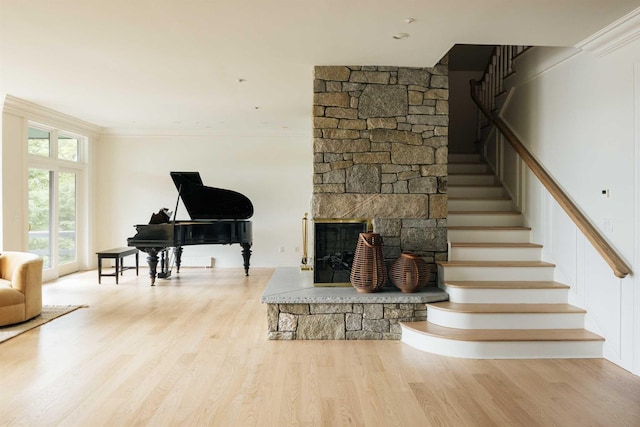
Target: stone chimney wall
<point>380,152</point>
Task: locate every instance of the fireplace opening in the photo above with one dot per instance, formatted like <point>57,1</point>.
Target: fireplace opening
<point>335,243</point>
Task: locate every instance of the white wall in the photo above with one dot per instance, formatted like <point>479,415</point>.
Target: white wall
<point>14,216</point>
<point>575,112</point>
<point>129,180</point>
<point>274,172</point>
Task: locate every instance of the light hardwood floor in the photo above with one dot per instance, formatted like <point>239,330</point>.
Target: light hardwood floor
<point>192,351</point>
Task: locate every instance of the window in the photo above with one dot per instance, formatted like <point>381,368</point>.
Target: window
<point>39,142</point>
<point>55,169</point>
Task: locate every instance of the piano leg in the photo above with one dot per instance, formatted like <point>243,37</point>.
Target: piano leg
<point>246,255</point>
<point>177,252</point>
<point>163,263</point>
<point>152,260</point>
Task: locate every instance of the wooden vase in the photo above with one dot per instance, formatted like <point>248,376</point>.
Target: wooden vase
<point>409,272</point>
<point>368,271</point>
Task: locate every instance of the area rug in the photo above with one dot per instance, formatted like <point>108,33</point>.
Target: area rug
<point>49,312</point>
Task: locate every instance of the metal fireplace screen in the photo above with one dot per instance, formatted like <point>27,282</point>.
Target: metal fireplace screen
<point>335,243</point>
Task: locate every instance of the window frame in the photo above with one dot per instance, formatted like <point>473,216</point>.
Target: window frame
<point>56,165</point>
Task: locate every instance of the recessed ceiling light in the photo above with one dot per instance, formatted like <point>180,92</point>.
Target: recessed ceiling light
<point>409,20</point>
<point>400,36</point>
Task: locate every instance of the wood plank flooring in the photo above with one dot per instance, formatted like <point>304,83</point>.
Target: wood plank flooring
<point>192,351</point>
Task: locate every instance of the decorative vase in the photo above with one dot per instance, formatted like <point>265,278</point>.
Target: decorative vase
<point>368,271</point>
<point>409,272</point>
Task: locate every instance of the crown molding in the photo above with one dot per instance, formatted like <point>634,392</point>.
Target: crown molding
<point>47,116</point>
<point>614,36</point>
<point>154,133</point>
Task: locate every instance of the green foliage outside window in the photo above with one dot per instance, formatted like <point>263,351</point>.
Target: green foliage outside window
<point>40,143</point>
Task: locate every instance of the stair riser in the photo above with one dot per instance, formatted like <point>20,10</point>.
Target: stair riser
<point>495,254</point>
<point>486,220</point>
<point>502,349</point>
<point>480,205</point>
<point>475,191</point>
<point>506,296</point>
<point>495,273</point>
<point>471,179</point>
<point>454,168</point>
<point>462,158</point>
<point>489,236</point>
<point>458,320</point>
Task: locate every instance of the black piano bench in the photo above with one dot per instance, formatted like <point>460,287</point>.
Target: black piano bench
<point>118,254</point>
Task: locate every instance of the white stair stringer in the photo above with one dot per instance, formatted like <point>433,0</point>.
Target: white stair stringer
<point>503,302</point>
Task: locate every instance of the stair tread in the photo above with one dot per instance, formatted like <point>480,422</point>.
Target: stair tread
<point>495,264</point>
<point>494,245</point>
<point>505,308</point>
<point>472,173</point>
<point>475,185</point>
<point>480,198</point>
<point>484,212</point>
<point>522,284</point>
<point>502,334</point>
<point>486,227</point>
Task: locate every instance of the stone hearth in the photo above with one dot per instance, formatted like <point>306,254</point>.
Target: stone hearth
<point>299,311</point>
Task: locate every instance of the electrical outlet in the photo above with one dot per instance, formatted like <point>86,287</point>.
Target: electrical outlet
<point>605,193</point>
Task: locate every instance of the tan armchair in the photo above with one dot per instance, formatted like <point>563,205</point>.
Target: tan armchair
<point>20,287</point>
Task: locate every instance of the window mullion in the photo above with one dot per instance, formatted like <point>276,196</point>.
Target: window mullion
<point>55,220</point>
<point>54,145</point>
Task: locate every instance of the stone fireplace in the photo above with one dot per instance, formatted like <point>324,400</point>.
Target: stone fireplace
<point>380,152</point>
<point>334,248</point>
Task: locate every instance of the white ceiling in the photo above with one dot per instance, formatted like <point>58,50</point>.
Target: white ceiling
<point>173,66</point>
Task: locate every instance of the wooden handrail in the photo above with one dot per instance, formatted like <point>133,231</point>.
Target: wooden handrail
<point>620,268</point>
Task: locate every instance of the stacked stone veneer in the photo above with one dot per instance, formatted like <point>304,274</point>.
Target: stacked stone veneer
<point>341,321</point>
<point>380,152</point>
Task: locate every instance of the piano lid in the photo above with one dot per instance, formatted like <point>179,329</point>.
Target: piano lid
<point>204,202</point>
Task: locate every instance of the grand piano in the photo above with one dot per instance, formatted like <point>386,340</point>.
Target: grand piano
<point>218,217</point>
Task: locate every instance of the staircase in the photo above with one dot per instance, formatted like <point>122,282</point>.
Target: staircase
<point>503,301</point>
